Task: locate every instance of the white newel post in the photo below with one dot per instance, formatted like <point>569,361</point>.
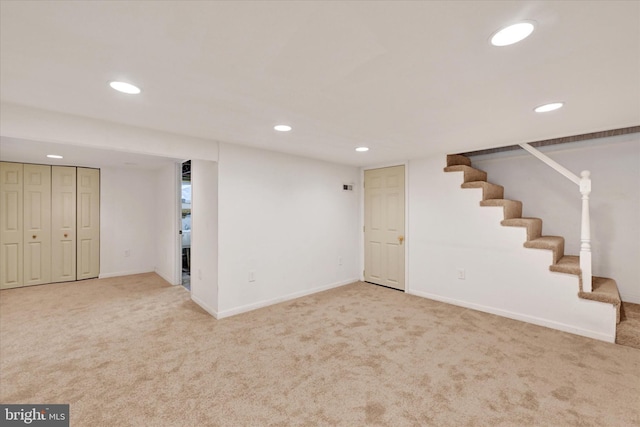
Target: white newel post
<point>585,232</point>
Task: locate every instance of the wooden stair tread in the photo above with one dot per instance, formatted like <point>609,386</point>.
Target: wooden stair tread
<point>470,173</point>
<point>604,290</point>
<point>546,242</point>
<point>533,225</point>
<point>606,286</point>
<point>512,208</point>
<point>568,264</point>
<point>553,243</point>
<point>457,159</point>
<point>489,190</point>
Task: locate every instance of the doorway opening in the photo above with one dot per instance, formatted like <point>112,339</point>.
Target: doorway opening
<point>185,224</point>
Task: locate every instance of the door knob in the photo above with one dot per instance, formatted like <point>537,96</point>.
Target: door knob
<point>65,234</point>
<point>400,239</point>
<point>33,237</point>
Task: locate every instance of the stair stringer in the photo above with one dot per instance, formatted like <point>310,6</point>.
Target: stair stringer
<point>502,277</point>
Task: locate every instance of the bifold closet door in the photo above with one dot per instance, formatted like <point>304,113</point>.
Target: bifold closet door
<point>88,223</point>
<point>49,224</point>
<point>63,223</point>
<point>11,217</point>
<point>37,224</point>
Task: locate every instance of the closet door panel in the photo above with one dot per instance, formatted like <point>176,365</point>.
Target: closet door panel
<point>63,223</point>
<point>11,219</point>
<point>88,243</point>
<point>37,224</point>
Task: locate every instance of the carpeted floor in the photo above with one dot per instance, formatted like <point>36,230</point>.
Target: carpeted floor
<point>628,331</point>
<point>135,351</point>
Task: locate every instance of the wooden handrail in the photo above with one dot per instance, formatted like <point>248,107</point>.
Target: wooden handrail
<point>584,182</point>
<point>549,161</point>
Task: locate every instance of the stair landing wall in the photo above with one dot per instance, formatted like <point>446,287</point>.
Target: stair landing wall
<point>614,163</point>
<point>450,231</point>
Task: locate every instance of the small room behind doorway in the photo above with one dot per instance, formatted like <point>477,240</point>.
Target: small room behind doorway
<point>185,228</point>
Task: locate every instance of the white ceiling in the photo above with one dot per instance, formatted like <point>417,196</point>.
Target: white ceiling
<point>404,78</point>
<point>26,151</point>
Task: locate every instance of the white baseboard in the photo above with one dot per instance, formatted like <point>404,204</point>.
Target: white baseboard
<point>265,303</point>
<point>519,316</point>
<point>204,306</point>
<point>124,273</point>
<point>631,297</point>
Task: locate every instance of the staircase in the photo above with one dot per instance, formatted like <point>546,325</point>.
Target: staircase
<point>604,289</point>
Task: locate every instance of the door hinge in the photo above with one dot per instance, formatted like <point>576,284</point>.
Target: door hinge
<point>363,228</point>
<point>363,273</point>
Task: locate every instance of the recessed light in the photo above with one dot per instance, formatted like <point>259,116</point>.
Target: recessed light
<point>512,34</point>
<point>282,128</point>
<point>54,156</point>
<point>362,149</point>
<point>123,87</point>
<point>548,107</point>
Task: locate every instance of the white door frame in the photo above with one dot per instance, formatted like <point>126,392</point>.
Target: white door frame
<point>407,238</point>
<point>177,245</point>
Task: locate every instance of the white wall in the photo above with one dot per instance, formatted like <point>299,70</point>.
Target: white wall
<point>287,220</point>
<point>165,220</point>
<point>127,212</point>
<point>204,235</point>
<point>615,200</point>
<point>448,230</point>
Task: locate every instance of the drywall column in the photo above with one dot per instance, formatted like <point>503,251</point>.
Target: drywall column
<point>287,227</point>
<point>204,234</point>
<point>166,216</point>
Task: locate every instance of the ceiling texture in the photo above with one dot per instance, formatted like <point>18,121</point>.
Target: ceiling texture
<point>407,79</point>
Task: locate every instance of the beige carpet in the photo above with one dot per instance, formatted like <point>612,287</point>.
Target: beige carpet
<point>137,351</point>
<point>628,331</point>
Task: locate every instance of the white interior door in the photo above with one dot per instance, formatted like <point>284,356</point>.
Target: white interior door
<point>88,240</point>
<point>11,218</point>
<point>63,223</point>
<point>384,226</point>
<point>37,224</point>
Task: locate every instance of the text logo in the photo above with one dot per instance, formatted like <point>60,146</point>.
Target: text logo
<point>34,415</point>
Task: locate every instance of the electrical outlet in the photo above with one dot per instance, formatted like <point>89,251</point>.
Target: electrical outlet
<point>340,261</point>
<point>461,273</point>
<point>252,276</point>
<point>127,253</point>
